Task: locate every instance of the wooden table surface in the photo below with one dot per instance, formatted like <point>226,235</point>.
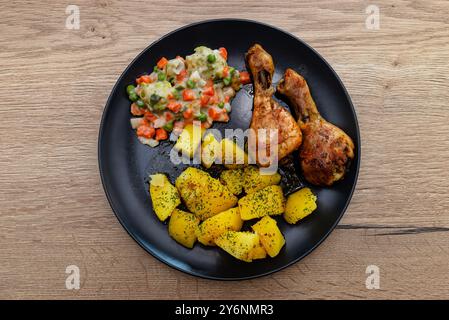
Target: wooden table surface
<point>54,213</point>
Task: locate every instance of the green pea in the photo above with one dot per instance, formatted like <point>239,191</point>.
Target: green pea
<point>221,105</point>
<point>140,103</point>
<point>231,71</point>
<point>190,84</point>
<point>130,89</point>
<point>161,76</point>
<point>154,98</point>
<point>133,97</point>
<point>227,81</point>
<point>168,126</point>
<point>155,69</point>
<point>211,58</point>
<point>202,117</point>
<point>176,94</point>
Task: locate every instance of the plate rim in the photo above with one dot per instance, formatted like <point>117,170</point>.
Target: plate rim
<point>167,262</point>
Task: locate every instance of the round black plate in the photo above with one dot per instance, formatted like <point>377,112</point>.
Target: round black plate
<point>125,163</point>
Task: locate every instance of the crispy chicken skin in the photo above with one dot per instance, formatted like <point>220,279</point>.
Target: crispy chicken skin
<point>267,113</point>
<point>326,151</point>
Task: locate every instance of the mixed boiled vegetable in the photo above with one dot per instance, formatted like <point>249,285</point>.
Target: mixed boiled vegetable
<point>179,91</point>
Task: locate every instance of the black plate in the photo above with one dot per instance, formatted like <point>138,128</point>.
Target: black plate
<point>125,163</point>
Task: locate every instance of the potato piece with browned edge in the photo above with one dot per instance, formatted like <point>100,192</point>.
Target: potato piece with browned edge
<point>239,244</point>
<point>233,179</point>
<point>268,201</point>
<point>213,227</point>
<point>183,227</point>
<point>202,194</point>
<point>299,205</point>
<point>164,196</point>
<point>270,235</point>
<point>253,180</point>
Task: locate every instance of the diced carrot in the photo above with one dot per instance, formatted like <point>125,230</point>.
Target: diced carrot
<point>150,116</point>
<point>209,90</point>
<point>225,71</point>
<point>162,63</point>
<point>187,114</point>
<point>181,75</point>
<point>204,100</point>
<point>174,106</point>
<point>226,99</point>
<point>170,96</point>
<point>161,134</point>
<point>145,131</point>
<point>169,116</point>
<point>188,95</point>
<point>136,111</point>
<point>244,77</point>
<point>213,100</point>
<point>143,79</point>
<point>214,114</point>
<point>223,53</point>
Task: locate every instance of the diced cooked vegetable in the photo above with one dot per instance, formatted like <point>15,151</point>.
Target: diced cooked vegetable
<point>270,235</point>
<point>253,180</point>
<point>239,244</point>
<point>189,139</point>
<point>232,155</point>
<point>210,149</point>
<point>164,196</point>
<point>299,205</point>
<point>213,227</point>
<point>183,227</point>
<point>202,194</point>
<point>268,201</point>
<point>233,179</point>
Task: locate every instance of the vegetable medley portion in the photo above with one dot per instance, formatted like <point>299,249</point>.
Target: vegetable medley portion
<point>179,91</point>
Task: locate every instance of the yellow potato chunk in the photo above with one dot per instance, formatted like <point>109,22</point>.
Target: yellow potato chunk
<point>299,205</point>
<point>189,139</point>
<point>202,194</point>
<point>268,201</point>
<point>233,179</point>
<point>164,196</point>
<point>253,180</point>
<point>210,150</point>
<point>183,227</point>
<point>232,156</point>
<point>270,235</point>
<point>258,253</point>
<point>213,227</point>
<point>239,244</point>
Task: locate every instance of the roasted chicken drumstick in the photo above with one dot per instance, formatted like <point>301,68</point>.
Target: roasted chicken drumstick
<point>267,113</point>
<point>326,151</point>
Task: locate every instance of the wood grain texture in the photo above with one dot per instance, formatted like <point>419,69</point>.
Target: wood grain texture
<point>54,213</point>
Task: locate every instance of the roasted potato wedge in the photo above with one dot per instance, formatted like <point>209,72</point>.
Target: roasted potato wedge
<point>268,201</point>
<point>299,205</point>
<point>270,235</point>
<point>183,227</point>
<point>202,194</point>
<point>164,196</point>
<point>253,180</point>
<point>233,179</point>
<point>213,227</point>
<point>239,244</point>
<point>258,253</point>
